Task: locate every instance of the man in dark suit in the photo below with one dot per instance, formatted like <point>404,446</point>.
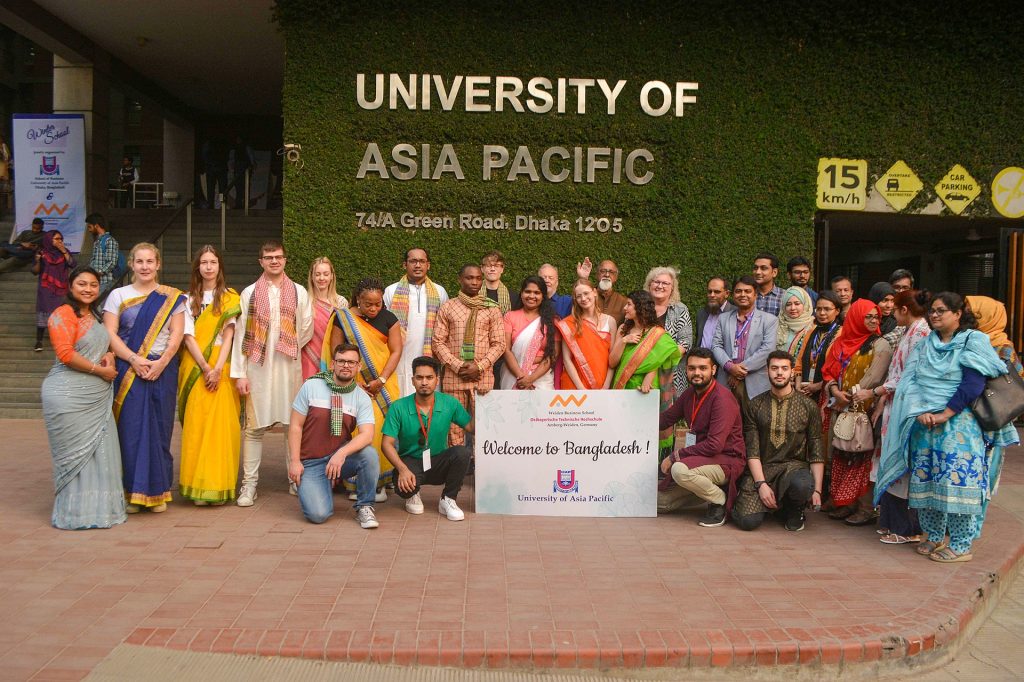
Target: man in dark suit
<point>718,303</point>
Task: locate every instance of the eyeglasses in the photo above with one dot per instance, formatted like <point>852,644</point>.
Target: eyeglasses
<point>660,284</point>
<point>274,258</point>
<point>824,309</point>
<point>417,261</point>
<point>938,312</point>
<point>607,271</point>
<point>871,317</point>
<point>346,363</point>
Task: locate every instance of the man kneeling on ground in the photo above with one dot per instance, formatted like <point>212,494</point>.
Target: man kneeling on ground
<point>416,438</point>
<point>713,455</point>
<point>322,448</point>
<point>782,429</point>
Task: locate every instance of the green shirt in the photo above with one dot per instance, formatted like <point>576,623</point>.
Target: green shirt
<point>404,426</point>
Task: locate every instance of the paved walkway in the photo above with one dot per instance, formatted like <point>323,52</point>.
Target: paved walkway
<point>490,592</point>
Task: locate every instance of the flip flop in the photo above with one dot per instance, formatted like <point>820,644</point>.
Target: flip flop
<point>947,556</point>
<point>928,547</point>
<point>897,539</point>
<point>882,531</point>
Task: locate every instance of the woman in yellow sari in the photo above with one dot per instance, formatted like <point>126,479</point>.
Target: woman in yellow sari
<point>208,404</point>
<point>377,333</point>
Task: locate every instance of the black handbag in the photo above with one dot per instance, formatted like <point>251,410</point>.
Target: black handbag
<point>1001,402</point>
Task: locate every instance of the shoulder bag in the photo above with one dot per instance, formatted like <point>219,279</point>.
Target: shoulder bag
<point>851,430</point>
<point>1001,402</point>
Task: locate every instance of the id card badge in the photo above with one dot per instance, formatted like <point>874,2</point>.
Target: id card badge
<point>810,376</point>
<point>426,459</point>
<point>691,440</point>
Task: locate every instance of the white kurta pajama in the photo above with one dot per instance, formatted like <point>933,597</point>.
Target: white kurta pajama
<point>274,384</point>
<point>415,330</point>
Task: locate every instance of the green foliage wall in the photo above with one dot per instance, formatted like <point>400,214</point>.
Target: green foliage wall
<point>781,84</point>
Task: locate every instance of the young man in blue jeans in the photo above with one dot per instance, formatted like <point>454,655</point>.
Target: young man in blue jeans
<point>329,438</point>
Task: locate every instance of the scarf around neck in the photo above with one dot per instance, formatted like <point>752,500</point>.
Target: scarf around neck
<point>337,401</point>
<point>790,326</point>
<point>400,308</point>
<point>855,335</point>
<point>257,323</point>
<point>475,304</point>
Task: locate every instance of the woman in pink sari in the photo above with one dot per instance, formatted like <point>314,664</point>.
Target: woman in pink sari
<point>531,341</point>
<point>587,338</point>
<point>322,286</point>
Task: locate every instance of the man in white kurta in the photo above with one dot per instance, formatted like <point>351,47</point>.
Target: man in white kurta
<point>268,388</point>
<point>414,318</point>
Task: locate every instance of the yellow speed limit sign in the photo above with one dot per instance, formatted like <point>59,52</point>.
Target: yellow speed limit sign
<point>1008,192</point>
<point>842,184</point>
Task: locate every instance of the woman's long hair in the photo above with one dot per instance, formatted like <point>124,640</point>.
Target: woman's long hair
<point>547,315</point>
<point>94,307</point>
<point>195,284</point>
<point>644,312</point>
<point>577,312</point>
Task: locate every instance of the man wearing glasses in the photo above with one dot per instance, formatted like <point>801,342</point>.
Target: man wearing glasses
<point>415,300</point>
<point>277,320</point>
<point>416,442</point>
<point>330,439</point>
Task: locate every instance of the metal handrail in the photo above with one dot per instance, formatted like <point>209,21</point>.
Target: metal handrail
<point>170,221</point>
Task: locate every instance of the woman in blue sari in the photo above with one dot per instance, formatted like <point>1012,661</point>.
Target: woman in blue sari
<point>933,434</point>
<point>146,322</point>
<point>76,407</point>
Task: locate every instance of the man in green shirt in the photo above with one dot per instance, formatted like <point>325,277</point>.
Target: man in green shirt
<point>416,442</point>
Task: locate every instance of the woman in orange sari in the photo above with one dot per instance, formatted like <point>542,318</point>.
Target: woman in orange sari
<point>587,339</point>
<point>377,333</point>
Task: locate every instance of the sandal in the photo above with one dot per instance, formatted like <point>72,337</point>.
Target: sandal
<point>882,531</point>
<point>928,547</point>
<point>897,539</point>
<point>947,556</point>
<point>842,512</point>
<point>862,518</point>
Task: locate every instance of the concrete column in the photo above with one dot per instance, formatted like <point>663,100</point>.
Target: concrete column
<point>179,158</point>
<point>82,89</point>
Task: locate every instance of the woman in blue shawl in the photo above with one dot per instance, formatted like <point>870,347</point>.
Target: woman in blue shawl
<point>953,464</point>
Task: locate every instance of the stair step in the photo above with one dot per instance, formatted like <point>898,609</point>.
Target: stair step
<point>10,411</point>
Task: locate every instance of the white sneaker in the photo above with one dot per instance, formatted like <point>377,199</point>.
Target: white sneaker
<point>448,507</point>
<point>246,496</point>
<point>293,489</point>
<point>353,497</point>
<point>414,505</point>
<point>366,518</point>
<point>381,496</point>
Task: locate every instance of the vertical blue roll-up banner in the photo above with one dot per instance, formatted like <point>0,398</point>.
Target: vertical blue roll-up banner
<point>49,174</point>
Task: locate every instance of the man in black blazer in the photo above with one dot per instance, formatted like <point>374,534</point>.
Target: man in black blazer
<point>718,303</point>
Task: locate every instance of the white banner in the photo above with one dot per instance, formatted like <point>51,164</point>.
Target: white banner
<point>567,453</point>
<point>49,174</point>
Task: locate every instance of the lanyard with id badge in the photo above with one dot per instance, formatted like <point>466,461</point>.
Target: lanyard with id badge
<point>691,437</point>
<point>425,434</point>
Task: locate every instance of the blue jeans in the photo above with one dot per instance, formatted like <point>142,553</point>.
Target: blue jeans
<point>316,495</point>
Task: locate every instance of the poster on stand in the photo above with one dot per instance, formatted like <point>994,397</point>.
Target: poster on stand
<point>49,174</point>
<point>567,453</point>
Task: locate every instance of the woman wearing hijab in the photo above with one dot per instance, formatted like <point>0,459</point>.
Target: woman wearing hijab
<point>883,295</point>
<point>53,264</point>
<point>856,364</point>
<point>814,351</point>
<point>796,320</point>
<point>991,317</point>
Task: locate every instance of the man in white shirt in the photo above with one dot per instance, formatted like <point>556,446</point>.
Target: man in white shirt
<point>414,300</point>
<point>276,322</point>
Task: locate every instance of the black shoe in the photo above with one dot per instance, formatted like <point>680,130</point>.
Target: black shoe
<point>38,348</point>
<point>714,517</point>
<point>795,520</point>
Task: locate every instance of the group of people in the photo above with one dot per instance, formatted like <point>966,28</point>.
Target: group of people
<point>790,398</point>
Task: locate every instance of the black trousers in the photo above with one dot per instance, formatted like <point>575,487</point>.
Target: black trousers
<point>447,468</point>
<point>799,489</point>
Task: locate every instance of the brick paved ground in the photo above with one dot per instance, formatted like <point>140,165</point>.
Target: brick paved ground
<point>488,592</point>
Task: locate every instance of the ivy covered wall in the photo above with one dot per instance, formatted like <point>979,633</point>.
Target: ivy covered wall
<point>781,84</point>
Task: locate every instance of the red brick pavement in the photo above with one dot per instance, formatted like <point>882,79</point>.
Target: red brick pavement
<point>490,592</point>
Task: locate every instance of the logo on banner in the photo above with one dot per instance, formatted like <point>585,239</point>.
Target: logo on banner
<point>570,400</point>
<point>49,166</point>
<point>566,482</point>
<point>52,208</point>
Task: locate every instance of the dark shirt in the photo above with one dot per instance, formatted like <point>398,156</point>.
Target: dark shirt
<point>972,383</point>
<point>513,297</point>
<point>562,305</point>
<point>383,323</point>
<point>30,237</point>
<point>612,304</point>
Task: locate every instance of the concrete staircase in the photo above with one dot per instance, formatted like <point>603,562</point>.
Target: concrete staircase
<point>20,384</point>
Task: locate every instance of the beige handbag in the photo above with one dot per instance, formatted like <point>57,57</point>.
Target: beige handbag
<point>851,430</point>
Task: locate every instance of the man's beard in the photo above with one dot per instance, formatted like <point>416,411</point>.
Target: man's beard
<point>714,308</point>
<point>605,284</point>
<point>777,384</point>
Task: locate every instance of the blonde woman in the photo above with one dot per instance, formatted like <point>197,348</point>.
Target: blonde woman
<point>322,285</point>
<point>662,283</point>
<point>208,404</point>
<point>146,321</point>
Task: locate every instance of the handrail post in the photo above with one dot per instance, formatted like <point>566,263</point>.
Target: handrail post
<point>223,220</point>
<point>188,233</point>
<point>247,192</point>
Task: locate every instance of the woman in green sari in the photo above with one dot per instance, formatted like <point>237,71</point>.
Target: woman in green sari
<point>642,349</point>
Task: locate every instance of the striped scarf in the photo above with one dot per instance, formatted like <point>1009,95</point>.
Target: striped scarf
<point>400,307</point>
<point>337,402</point>
<point>254,343</point>
<point>504,299</point>
<point>475,304</point>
